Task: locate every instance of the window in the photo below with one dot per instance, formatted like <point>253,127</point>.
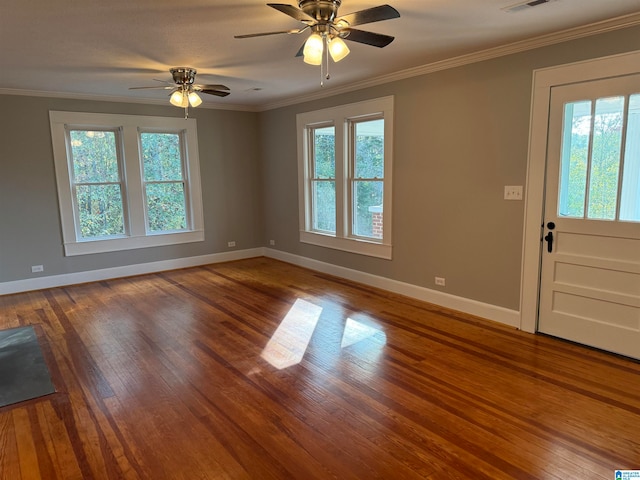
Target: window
<point>344,169</point>
<point>600,168</point>
<point>367,180</point>
<point>97,182</point>
<point>164,185</point>
<point>323,179</point>
<point>126,181</point>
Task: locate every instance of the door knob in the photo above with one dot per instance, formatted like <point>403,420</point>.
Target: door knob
<point>549,239</point>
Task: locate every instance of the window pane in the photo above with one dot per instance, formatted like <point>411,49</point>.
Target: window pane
<point>605,158</point>
<point>369,149</point>
<point>575,155</point>
<point>630,198</point>
<point>94,156</point>
<point>100,210</point>
<point>324,151</point>
<point>166,207</point>
<point>324,206</point>
<point>161,156</point>
<point>367,209</point>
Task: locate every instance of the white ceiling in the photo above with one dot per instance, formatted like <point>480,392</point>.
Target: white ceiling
<point>94,49</point>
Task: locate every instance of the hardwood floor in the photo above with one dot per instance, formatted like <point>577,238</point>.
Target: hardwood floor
<point>258,369</point>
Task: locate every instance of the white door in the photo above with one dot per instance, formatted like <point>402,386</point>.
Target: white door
<point>590,280</point>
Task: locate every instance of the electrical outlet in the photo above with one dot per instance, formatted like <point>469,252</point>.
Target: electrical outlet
<point>272,242</point>
<point>231,244</point>
<point>37,268</point>
<point>440,281</point>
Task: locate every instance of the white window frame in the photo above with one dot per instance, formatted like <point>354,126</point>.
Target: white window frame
<point>183,181</point>
<point>134,201</point>
<point>342,117</point>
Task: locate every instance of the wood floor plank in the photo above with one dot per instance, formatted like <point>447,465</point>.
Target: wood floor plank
<point>258,369</point>
<point>28,457</point>
<point>9,459</point>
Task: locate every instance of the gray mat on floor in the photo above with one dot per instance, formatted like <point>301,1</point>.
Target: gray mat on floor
<point>23,372</point>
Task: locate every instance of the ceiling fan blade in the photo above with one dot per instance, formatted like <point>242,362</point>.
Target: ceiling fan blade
<point>140,88</point>
<point>301,51</point>
<point>374,39</point>
<point>293,12</point>
<point>251,35</point>
<point>370,15</point>
<point>217,93</point>
<point>210,87</point>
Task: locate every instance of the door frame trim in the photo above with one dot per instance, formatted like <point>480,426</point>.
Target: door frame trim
<point>543,80</point>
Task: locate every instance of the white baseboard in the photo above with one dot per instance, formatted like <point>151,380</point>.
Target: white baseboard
<point>52,281</point>
<point>465,305</point>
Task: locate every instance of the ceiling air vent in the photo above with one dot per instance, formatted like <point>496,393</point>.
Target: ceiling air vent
<point>518,7</point>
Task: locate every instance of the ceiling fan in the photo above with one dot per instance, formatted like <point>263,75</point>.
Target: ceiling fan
<point>328,29</point>
<point>184,92</point>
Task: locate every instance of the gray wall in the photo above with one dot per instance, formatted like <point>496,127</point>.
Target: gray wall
<point>30,231</point>
<point>461,135</point>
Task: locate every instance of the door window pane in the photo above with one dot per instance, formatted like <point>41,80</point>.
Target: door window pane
<point>575,159</point>
<point>630,197</point>
<point>593,134</point>
<point>605,158</point>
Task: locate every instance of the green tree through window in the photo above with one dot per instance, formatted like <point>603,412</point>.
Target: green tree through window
<point>345,170</point>
<point>323,179</point>
<point>368,176</point>
<point>164,181</point>
<point>591,159</point>
<point>126,181</point>
<point>97,181</point>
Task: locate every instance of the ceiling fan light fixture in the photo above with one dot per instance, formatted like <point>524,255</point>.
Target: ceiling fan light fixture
<point>313,48</point>
<point>184,92</point>
<point>179,99</point>
<point>328,29</point>
<point>338,49</point>
<point>313,59</point>
<point>194,99</point>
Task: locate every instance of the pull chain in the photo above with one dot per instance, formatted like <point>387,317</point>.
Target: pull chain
<point>326,49</point>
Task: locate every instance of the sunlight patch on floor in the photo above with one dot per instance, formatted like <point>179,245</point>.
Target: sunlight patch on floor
<point>289,342</point>
<point>355,332</point>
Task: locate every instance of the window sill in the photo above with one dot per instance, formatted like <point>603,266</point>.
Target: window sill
<point>129,243</point>
<point>351,245</point>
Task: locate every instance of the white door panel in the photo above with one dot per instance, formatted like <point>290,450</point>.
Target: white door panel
<point>590,280</point>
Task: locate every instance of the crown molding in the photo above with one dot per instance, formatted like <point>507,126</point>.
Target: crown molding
<point>604,26</point>
<point>121,99</point>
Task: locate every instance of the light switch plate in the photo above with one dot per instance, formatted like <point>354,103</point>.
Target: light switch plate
<point>513,192</point>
